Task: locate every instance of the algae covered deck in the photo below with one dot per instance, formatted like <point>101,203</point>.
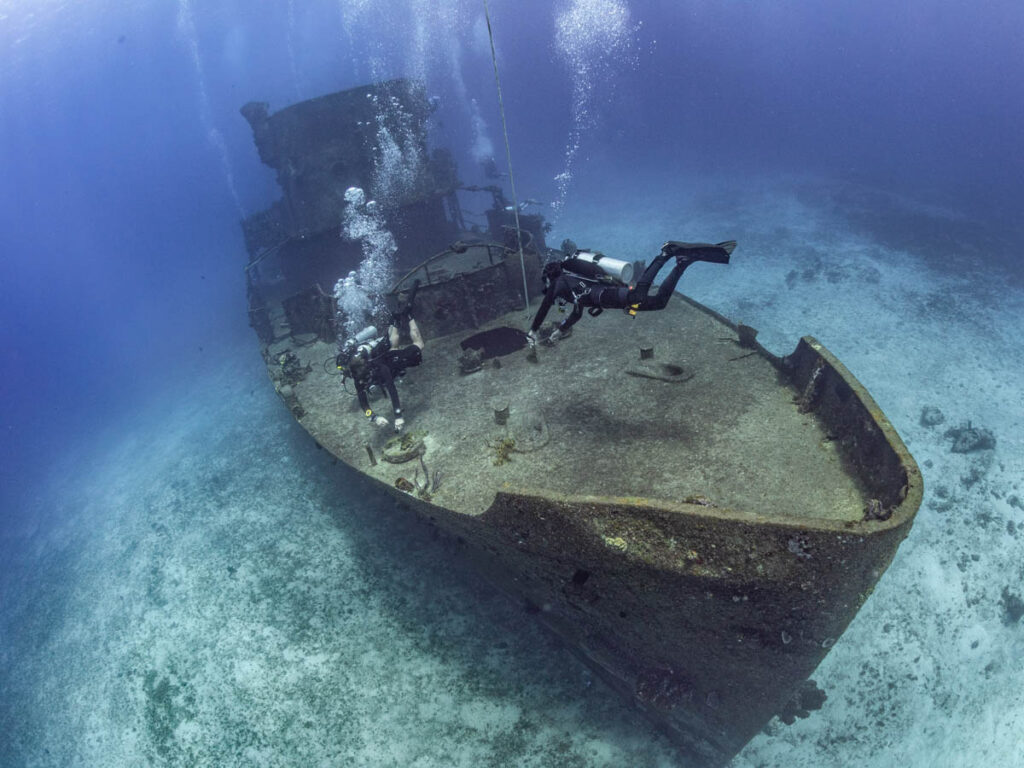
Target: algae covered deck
<point>727,428</point>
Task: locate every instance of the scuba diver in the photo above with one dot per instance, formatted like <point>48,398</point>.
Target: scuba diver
<point>583,280</point>
<point>371,360</point>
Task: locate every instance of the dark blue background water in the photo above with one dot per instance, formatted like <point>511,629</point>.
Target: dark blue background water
<point>126,166</point>
<point>124,170</point>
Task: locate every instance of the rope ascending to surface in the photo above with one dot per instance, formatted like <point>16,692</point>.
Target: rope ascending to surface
<point>508,154</point>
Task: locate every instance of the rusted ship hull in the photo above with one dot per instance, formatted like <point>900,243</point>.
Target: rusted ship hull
<point>710,620</point>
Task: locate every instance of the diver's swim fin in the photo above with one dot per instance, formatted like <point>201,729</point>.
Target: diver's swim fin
<point>404,310</point>
<point>416,287</point>
<point>717,253</point>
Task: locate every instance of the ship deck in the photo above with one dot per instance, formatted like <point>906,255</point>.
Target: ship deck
<point>726,430</point>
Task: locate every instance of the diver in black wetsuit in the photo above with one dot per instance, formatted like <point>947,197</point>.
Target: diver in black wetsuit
<point>378,361</point>
<point>580,283</point>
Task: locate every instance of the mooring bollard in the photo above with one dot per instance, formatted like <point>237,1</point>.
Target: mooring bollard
<point>501,411</point>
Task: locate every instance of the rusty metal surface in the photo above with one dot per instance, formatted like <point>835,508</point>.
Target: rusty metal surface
<point>708,614</point>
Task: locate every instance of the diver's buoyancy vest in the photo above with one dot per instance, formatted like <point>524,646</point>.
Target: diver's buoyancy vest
<point>367,354</point>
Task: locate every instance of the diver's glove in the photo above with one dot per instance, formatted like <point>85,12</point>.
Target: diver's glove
<point>555,336</point>
<point>531,339</point>
<point>379,421</point>
<point>399,424</point>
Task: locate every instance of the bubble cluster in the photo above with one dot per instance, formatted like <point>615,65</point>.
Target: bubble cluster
<point>482,148</point>
<point>357,295</point>
<point>430,44</point>
<point>399,161</point>
<point>590,34</point>
<point>591,37</point>
<point>187,29</point>
<point>290,48</point>
<point>433,41</point>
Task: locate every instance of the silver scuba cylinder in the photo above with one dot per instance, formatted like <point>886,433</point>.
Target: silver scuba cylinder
<point>620,270</point>
<point>366,334</point>
<point>363,342</point>
<point>372,345</point>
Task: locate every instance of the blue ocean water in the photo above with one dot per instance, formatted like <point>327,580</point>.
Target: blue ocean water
<point>185,580</point>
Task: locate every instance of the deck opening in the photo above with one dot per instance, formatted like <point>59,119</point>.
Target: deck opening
<point>497,342</point>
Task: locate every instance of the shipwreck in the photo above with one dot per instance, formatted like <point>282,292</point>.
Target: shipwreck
<point>698,519</point>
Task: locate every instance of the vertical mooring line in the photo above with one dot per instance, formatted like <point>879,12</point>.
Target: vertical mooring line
<point>508,155</point>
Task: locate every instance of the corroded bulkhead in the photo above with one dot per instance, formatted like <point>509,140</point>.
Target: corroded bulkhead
<point>468,285</point>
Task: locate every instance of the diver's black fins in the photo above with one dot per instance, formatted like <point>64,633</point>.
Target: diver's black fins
<point>403,311</point>
<point>416,286</point>
<point>717,253</point>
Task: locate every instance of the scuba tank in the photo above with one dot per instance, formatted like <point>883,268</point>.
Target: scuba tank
<point>351,345</point>
<point>363,336</point>
<point>363,343</point>
<point>374,347</point>
<point>620,271</point>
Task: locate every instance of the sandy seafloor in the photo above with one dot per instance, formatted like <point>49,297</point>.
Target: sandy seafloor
<point>206,588</point>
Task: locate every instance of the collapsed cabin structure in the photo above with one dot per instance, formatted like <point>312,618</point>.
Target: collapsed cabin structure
<point>374,138</point>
